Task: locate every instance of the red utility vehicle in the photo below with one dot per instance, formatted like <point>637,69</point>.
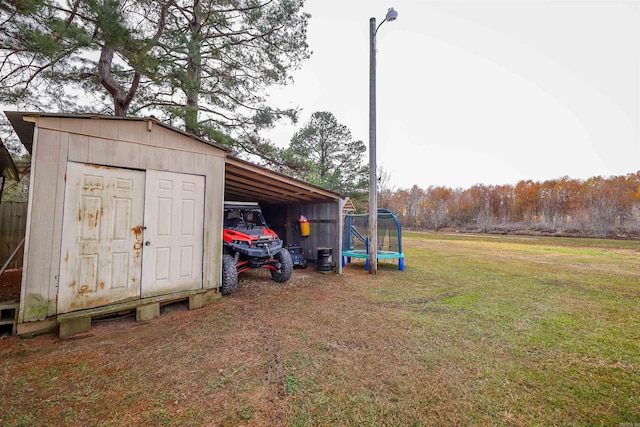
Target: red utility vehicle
<point>250,243</point>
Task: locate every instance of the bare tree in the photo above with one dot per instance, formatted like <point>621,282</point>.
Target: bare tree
<point>385,188</point>
<point>602,205</point>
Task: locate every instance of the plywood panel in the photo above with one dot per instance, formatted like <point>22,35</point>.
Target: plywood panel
<point>189,144</point>
<point>109,129</point>
<point>175,161</point>
<point>51,123</point>
<point>147,157</point>
<point>142,133</point>
<point>213,222</point>
<point>58,212</point>
<point>35,301</point>
<point>161,159</point>
<point>97,151</point>
<point>127,130</point>
<point>91,127</point>
<point>71,125</point>
<point>123,154</point>
<point>200,164</point>
<point>78,148</point>
<point>170,139</point>
<point>188,162</point>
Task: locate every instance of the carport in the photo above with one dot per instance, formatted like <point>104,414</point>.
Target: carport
<point>283,200</point>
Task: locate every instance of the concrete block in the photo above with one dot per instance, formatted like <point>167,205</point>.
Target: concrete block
<point>203,299</point>
<point>8,318</point>
<point>147,312</point>
<point>74,326</point>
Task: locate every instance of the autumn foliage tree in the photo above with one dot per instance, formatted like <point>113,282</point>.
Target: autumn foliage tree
<point>438,206</point>
<point>599,206</point>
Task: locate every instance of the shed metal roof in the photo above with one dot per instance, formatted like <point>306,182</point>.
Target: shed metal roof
<point>244,181</point>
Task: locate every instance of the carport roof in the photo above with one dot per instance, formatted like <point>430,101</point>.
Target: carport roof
<point>244,181</point>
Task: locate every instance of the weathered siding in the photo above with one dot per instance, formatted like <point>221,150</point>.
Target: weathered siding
<point>325,224</point>
<point>39,287</point>
<point>213,207</point>
<point>324,220</point>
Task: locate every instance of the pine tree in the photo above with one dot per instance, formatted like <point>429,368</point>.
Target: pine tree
<point>200,65</point>
<point>322,152</point>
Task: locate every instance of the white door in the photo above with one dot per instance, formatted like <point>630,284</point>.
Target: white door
<point>101,237</point>
<point>173,235</point>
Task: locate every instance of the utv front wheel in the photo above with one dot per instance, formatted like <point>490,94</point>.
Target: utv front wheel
<point>229,275</point>
<point>286,267</point>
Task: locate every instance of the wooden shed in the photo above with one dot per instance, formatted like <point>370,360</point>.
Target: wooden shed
<point>127,213</point>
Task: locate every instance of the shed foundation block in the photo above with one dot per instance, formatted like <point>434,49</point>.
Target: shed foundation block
<point>147,312</point>
<point>203,299</point>
<point>74,326</point>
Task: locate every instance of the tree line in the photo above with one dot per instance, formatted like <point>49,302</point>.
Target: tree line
<point>599,206</point>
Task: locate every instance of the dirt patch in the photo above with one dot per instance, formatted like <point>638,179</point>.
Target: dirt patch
<point>10,285</point>
<point>238,361</point>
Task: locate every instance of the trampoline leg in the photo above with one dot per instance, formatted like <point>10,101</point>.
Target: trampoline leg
<point>366,265</point>
<point>401,264</point>
<point>343,264</point>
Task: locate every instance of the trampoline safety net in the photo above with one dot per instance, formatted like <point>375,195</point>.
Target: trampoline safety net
<point>357,229</point>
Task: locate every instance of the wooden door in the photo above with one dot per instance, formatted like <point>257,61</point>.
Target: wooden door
<point>101,259</point>
<point>173,235</point>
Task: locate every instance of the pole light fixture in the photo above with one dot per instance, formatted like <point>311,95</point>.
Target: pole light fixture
<point>392,15</point>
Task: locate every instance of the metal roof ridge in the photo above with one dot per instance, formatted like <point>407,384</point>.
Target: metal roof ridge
<point>15,114</point>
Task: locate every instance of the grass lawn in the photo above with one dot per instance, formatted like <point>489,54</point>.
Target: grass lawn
<point>478,330</point>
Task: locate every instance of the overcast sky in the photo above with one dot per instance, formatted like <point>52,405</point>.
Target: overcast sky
<point>479,92</point>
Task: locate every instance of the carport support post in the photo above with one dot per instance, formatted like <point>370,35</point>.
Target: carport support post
<point>373,190</point>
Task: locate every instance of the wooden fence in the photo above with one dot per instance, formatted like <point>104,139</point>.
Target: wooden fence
<point>13,221</point>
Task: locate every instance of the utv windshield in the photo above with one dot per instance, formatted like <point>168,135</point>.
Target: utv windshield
<point>244,218</point>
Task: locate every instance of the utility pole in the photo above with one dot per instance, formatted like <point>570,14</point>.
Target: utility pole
<point>373,179</point>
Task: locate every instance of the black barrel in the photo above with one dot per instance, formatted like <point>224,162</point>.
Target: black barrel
<point>324,263</point>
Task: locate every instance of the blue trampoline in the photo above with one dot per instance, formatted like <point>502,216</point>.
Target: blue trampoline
<point>356,245</point>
